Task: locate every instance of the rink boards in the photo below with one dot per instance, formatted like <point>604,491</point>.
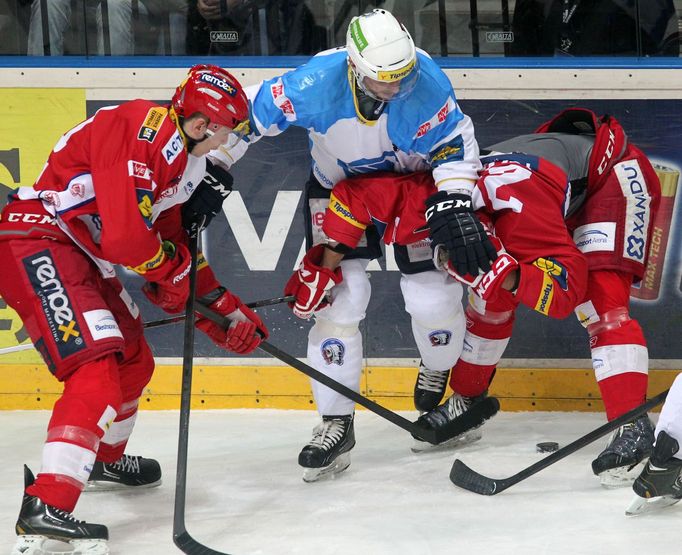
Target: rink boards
<point>257,245</point>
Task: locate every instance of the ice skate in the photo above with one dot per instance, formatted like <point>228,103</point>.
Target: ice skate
<point>429,388</point>
<point>455,406</point>
<point>327,454</point>
<point>660,483</point>
<point>627,451</point>
<point>46,530</point>
<point>128,472</point>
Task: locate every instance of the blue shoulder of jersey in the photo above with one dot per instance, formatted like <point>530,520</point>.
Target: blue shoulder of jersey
<point>427,114</point>
<point>318,92</point>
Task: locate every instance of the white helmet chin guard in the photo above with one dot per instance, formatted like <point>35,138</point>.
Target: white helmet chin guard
<point>381,49</point>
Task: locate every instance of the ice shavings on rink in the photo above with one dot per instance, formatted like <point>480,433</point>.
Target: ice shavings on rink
<point>245,495</point>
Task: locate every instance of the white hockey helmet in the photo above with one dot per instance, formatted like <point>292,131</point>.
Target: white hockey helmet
<point>381,49</point>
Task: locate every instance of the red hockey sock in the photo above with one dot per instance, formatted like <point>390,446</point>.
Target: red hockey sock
<point>623,392</point>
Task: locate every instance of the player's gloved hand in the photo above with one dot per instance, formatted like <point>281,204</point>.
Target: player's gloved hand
<point>310,283</point>
<point>168,284</point>
<point>453,224</point>
<point>489,285</point>
<point>207,200</point>
<point>246,329</point>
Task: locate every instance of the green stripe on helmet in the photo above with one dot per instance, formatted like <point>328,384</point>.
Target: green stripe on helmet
<point>357,36</point>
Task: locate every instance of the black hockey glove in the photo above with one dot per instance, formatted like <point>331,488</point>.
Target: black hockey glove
<point>454,225</point>
<point>207,201</point>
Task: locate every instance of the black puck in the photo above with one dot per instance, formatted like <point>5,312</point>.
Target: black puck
<point>547,447</point>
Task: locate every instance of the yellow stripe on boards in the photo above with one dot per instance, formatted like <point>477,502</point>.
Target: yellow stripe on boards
<point>32,387</point>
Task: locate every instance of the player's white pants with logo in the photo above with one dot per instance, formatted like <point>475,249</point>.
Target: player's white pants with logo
<point>335,344</point>
<point>670,419</point>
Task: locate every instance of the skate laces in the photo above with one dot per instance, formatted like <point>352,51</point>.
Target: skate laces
<point>65,515</point>
<point>328,434</point>
<point>432,380</point>
<point>127,463</point>
<point>631,438</point>
<point>455,406</point>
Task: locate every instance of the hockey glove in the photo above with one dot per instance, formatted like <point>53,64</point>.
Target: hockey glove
<point>168,284</point>
<point>310,283</point>
<point>487,286</point>
<point>453,224</point>
<point>207,201</point>
<point>246,329</point>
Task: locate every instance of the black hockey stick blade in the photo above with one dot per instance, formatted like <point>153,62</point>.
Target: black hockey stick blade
<point>187,544</point>
<point>415,429</point>
<point>181,537</point>
<point>254,304</point>
<point>464,477</point>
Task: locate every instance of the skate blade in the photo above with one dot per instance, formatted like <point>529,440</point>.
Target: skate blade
<point>622,476</point>
<point>462,440</point>
<point>640,505</point>
<point>105,485</point>
<point>40,545</point>
<point>338,465</point>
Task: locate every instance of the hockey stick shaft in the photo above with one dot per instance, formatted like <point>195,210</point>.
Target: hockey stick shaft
<point>16,348</point>
<point>181,537</point>
<point>432,436</point>
<point>165,321</point>
<point>464,477</point>
<point>254,304</point>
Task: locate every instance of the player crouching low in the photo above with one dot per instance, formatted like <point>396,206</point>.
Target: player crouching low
<point>522,200</point>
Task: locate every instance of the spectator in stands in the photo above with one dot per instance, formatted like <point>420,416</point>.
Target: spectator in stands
<point>116,19</point>
<point>253,27</point>
<point>595,28</point>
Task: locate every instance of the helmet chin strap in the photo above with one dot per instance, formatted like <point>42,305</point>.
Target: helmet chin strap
<point>369,107</point>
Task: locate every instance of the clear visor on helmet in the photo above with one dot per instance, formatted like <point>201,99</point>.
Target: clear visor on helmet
<point>388,88</point>
<point>236,134</point>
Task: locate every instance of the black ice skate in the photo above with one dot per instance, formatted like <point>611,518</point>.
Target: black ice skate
<point>126,473</point>
<point>429,388</point>
<point>660,483</point>
<point>455,406</point>
<point>626,453</point>
<point>43,529</point>
<point>327,453</point>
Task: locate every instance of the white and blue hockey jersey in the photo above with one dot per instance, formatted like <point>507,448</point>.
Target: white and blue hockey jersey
<point>425,130</point>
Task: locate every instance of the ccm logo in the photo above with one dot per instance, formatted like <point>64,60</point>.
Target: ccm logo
<point>31,218</point>
<point>610,145</point>
<point>447,205</point>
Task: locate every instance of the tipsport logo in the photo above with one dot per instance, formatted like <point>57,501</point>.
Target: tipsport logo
<point>55,303</point>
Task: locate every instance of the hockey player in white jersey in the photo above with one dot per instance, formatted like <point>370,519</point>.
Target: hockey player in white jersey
<point>377,104</point>
<point>660,483</point>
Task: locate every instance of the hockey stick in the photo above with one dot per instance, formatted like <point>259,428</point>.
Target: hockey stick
<point>181,538</point>
<point>166,321</point>
<point>486,408</point>
<point>180,318</point>
<point>464,477</point>
<point>16,348</point>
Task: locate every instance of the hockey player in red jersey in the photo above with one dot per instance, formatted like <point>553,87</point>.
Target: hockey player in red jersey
<point>522,200</point>
<point>614,196</point>
<point>111,194</point>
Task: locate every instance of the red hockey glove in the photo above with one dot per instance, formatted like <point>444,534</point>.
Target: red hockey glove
<point>246,329</point>
<point>310,283</point>
<point>168,284</point>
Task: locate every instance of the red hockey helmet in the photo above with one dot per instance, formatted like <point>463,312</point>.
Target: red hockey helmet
<point>214,92</point>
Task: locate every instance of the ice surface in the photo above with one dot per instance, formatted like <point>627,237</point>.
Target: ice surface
<point>245,495</point>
